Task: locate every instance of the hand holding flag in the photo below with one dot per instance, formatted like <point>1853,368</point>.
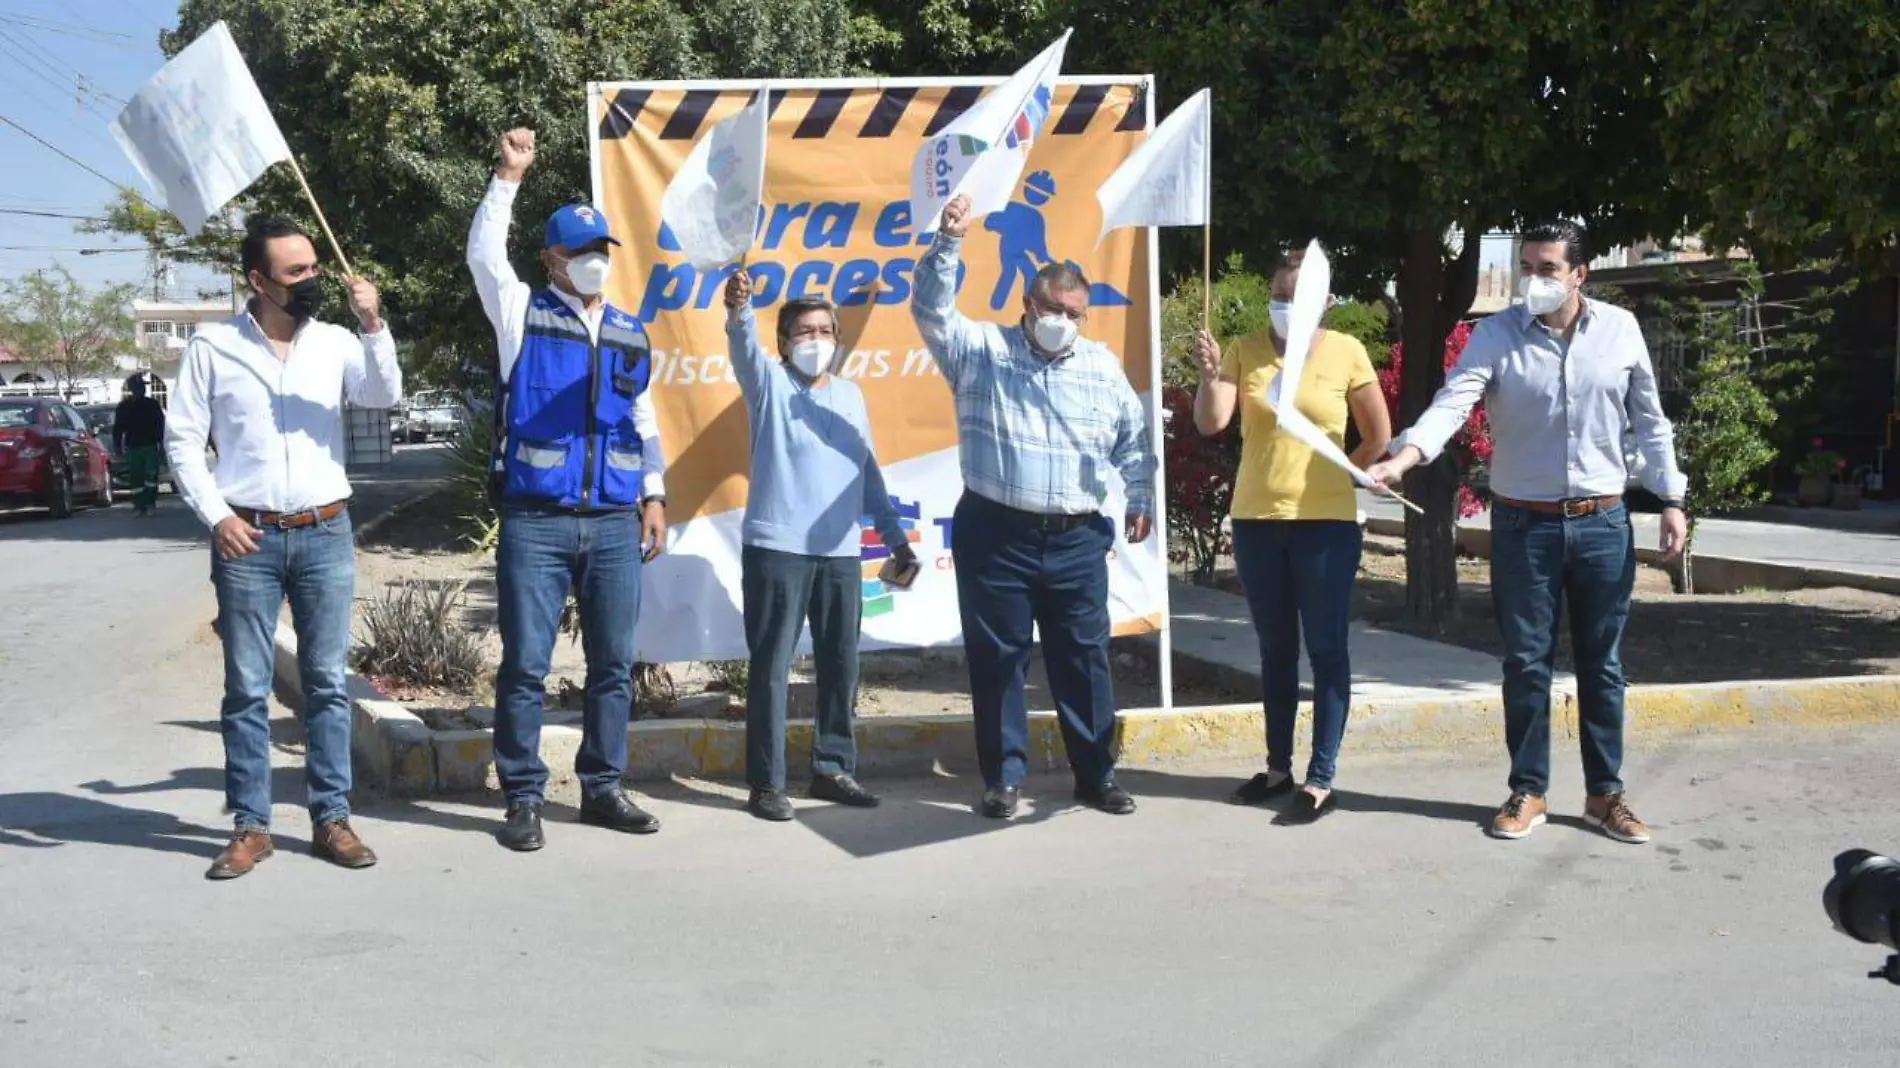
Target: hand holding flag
<point>201,134</point>
<point>982,153</point>
<point>712,204</point>
<point>1309,306</point>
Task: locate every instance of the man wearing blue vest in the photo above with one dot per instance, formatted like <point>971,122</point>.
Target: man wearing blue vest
<point>578,470</point>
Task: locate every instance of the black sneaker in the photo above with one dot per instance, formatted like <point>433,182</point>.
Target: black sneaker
<point>522,831</point>
<point>843,789</point>
<point>769,805</point>
<point>1305,809</point>
<point>1260,789</point>
<point>1109,797</point>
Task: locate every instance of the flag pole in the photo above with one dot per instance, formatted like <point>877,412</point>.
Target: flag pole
<point>318,208</point>
<point>1207,218</point>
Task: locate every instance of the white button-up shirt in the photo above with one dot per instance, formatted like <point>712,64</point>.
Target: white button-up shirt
<point>277,423</point>
<point>1559,410</point>
<point>505,298</point>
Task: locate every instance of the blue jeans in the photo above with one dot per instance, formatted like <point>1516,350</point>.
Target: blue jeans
<point>543,554</point>
<point>1011,579</point>
<point>1537,561</point>
<point>315,567</point>
<point>782,590</point>
<point>1298,576</point>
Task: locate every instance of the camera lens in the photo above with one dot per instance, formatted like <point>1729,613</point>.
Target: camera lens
<point>1863,899</point>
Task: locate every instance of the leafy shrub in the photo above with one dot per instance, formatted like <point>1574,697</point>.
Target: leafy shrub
<point>1471,446</point>
<point>414,636</point>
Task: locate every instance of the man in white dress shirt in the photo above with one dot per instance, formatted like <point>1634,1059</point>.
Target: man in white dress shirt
<point>578,470</point>
<point>267,387</point>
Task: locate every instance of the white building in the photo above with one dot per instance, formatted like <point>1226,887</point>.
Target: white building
<point>162,328</point>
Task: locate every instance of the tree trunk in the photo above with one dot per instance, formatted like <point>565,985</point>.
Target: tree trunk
<point>1432,298</point>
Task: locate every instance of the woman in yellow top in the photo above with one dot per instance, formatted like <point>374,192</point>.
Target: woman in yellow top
<point>1296,529</point>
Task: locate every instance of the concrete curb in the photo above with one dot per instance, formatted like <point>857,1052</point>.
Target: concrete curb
<point>396,753</point>
<point>368,526</point>
<point>1713,574</point>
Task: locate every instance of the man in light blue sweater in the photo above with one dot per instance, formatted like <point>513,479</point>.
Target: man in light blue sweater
<point>814,476</point>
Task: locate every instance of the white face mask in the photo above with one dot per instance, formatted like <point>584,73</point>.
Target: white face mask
<point>1054,334</point>
<point>1281,312</point>
<point>1542,295</point>
<point>813,358</point>
<point>587,273</point>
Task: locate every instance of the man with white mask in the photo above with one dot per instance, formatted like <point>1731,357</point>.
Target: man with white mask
<point>577,474</point>
<point>1563,378</point>
<point>813,476</point>
<point>1043,416</point>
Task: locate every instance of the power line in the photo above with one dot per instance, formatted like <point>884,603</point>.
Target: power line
<point>89,34</point>
<point>47,73</point>
<point>69,157</point>
<point>50,214</point>
<point>52,63</point>
<point>48,54</point>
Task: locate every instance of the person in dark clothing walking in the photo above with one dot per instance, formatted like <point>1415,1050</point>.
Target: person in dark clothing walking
<point>138,433</point>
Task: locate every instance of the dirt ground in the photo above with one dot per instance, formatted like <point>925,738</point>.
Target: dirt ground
<point>1670,638</point>
<point>423,543</point>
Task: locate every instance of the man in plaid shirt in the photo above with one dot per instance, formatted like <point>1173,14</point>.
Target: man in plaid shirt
<point>1043,415</point>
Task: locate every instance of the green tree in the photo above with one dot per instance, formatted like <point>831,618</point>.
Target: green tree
<point>1386,130</point>
<point>1749,359</point>
<point>50,318</point>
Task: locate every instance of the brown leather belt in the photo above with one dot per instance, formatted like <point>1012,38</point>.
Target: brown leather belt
<point>309,517</point>
<point>1574,508</point>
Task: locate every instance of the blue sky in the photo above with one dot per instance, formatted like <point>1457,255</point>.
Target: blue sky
<point>66,69</point>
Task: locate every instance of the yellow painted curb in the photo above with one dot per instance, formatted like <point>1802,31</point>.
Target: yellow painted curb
<point>395,752</point>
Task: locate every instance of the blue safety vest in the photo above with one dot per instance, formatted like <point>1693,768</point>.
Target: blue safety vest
<point>565,415</point>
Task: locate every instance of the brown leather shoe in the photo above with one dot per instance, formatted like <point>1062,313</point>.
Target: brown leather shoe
<point>1610,814</point>
<point>1521,815</point>
<point>336,843</point>
<point>248,846</point>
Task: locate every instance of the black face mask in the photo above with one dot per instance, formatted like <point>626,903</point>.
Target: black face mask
<point>306,297</point>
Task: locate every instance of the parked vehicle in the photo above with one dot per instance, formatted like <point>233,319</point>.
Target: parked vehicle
<point>429,414</point>
<point>99,417</point>
<point>50,457</point>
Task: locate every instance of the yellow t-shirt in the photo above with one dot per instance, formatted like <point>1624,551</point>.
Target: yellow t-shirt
<point>1281,477</point>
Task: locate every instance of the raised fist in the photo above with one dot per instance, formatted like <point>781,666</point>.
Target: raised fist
<point>956,217</point>
<point>517,153</point>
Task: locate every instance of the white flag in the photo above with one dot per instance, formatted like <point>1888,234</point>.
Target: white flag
<point>983,152</point>
<point>712,204</point>
<point>199,131</point>
<point>1164,182</point>
<point>1309,306</point>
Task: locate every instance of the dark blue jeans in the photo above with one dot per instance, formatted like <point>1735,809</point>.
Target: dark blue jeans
<point>1298,577</point>
<point>783,590</point>
<point>315,567</point>
<point>1537,562</point>
<point>542,554</point>
<point>1011,579</point>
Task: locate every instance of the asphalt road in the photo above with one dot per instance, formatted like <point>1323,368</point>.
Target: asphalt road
<point>1192,933</point>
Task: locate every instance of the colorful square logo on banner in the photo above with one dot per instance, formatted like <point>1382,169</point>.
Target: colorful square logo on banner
<point>873,553</point>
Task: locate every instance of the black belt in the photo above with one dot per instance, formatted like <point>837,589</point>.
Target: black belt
<point>1048,522</point>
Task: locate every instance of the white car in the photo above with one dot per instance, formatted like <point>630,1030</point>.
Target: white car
<point>430,414</point>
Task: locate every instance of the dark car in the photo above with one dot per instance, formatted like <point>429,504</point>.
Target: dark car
<point>100,418</point>
<point>50,457</point>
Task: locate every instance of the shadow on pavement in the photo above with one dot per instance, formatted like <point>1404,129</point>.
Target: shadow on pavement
<point>916,813</point>
<point>41,820</point>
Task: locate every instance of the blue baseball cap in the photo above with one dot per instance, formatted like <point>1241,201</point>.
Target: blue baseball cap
<point>575,225</point>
